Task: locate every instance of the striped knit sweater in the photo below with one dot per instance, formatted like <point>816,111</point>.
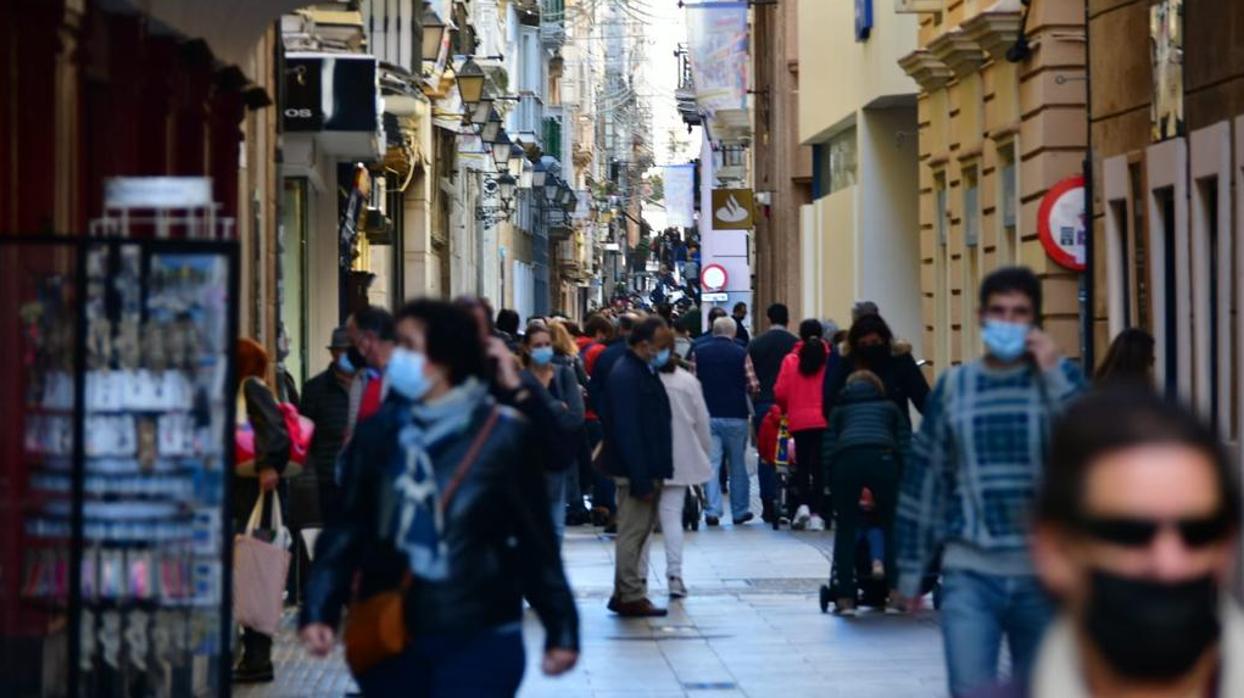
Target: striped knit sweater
<point>975,466</point>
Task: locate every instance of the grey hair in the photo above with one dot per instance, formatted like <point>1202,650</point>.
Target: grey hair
<point>829,327</point>
<point>725,327</point>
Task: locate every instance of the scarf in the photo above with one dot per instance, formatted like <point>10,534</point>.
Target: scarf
<point>420,521</point>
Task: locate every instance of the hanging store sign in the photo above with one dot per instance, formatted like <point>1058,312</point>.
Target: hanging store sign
<point>732,209</point>
<point>717,47</point>
<point>331,92</point>
<point>680,195</point>
<point>1061,225</point>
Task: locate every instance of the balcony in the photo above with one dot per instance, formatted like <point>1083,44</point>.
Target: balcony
<point>529,120</point>
<point>553,23</point>
<point>553,137</point>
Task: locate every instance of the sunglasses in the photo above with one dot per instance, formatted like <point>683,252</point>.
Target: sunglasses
<point>1128,532</point>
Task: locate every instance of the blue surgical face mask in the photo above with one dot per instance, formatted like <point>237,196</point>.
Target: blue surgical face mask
<point>541,356</point>
<point>1005,341</point>
<point>344,364</point>
<point>660,359</point>
<point>404,374</point>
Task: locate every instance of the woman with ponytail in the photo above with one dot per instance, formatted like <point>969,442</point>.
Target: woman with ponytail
<point>798,393</point>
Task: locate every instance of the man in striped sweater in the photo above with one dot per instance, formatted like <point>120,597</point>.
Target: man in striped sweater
<point>972,479</point>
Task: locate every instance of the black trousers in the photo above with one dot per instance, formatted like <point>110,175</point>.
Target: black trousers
<point>809,471</point>
<point>854,469</point>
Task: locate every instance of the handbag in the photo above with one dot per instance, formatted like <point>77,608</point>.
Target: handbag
<point>376,626</point>
<point>299,428</point>
<point>259,570</point>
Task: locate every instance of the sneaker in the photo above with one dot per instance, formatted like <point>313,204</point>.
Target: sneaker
<point>712,520</point>
<point>878,569</point>
<point>845,608</point>
<point>642,608</point>
<point>816,523</point>
<point>678,590</point>
<point>802,515</point>
<point>744,519</point>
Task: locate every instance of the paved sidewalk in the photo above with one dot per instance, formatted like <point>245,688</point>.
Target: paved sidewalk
<point>751,627</point>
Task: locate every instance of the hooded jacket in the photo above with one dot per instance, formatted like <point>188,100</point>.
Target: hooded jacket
<point>799,395</point>
<point>903,379</point>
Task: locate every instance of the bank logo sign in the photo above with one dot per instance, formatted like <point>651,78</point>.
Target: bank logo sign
<point>732,209</point>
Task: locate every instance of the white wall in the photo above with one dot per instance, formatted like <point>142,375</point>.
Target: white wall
<point>888,236</point>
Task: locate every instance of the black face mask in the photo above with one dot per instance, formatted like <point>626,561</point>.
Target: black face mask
<point>356,358</point>
<point>1152,630</point>
<point>873,354</point>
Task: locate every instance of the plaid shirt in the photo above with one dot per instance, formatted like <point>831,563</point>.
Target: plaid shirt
<point>753,383</point>
<point>975,466</point>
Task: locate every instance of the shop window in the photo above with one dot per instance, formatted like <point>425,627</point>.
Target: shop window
<point>1213,338</point>
<point>1138,271</point>
<point>837,163</point>
<point>1008,203</point>
<point>1118,226</point>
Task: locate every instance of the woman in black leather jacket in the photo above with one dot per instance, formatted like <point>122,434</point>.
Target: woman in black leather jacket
<point>468,566</point>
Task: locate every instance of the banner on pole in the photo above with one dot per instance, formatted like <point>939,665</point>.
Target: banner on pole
<point>717,48</point>
<point>680,195</point>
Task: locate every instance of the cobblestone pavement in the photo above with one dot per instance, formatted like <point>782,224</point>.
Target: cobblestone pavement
<point>751,627</point>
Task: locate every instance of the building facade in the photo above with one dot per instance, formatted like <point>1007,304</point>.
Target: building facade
<point>1168,140</point>
<point>859,236</point>
<point>996,132</point>
<point>781,165</point>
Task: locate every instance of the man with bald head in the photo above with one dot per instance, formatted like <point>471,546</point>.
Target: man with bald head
<point>727,379</point>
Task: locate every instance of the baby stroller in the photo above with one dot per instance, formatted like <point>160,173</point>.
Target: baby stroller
<point>774,438</point>
<point>871,589</point>
<point>693,508</point>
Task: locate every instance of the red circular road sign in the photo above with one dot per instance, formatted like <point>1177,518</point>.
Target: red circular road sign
<point>713,277</point>
<point>1061,224</point>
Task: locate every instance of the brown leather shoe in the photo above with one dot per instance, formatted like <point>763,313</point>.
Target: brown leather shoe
<point>642,608</point>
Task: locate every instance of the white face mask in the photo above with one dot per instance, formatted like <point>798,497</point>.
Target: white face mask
<point>405,374</point>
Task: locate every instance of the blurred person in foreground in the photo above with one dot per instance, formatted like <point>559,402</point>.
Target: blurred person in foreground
<point>972,478</point>
<point>1137,533</point>
<point>443,504</point>
<point>1129,360</point>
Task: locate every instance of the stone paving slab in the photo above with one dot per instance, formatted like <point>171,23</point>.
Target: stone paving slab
<point>751,627</point>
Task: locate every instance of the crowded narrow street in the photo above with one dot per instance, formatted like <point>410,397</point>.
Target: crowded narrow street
<point>750,627</point>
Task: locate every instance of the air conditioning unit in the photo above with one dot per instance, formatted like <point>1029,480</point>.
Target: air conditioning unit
<point>918,6</point>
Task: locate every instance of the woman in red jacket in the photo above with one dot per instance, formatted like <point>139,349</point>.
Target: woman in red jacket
<point>798,392</point>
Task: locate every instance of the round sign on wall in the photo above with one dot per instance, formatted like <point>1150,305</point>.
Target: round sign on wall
<point>713,277</point>
<point>1061,224</point>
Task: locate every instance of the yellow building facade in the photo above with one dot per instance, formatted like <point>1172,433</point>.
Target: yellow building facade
<point>994,137</point>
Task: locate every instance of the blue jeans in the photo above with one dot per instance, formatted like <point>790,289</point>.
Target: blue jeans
<point>766,476</point>
<point>977,610</point>
<point>730,440</point>
<point>555,485</point>
<point>488,664</point>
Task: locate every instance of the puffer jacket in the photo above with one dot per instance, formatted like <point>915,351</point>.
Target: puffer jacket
<point>497,531</point>
<point>864,416</point>
<point>800,396</point>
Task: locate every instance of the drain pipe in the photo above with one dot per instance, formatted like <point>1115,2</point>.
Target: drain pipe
<point>1088,277</point>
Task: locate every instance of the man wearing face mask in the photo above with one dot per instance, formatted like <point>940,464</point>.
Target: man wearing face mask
<point>971,481</point>
<point>372,334</point>
<point>1137,528</point>
<point>326,401</point>
<point>639,454</point>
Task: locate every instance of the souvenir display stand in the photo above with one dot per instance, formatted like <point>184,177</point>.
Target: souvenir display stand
<point>116,406</point>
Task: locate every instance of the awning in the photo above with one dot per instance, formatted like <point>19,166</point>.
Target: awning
<point>231,28</point>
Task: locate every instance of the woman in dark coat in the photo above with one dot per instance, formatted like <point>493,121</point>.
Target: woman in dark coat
<point>871,347</point>
<point>445,503</point>
<point>257,405</point>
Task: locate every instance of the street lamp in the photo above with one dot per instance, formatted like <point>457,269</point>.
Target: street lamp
<point>517,158</point>
<point>538,175</point>
<point>470,83</point>
<point>501,151</point>
<point>566,195</point>
<point>479,115</point>
<point>492,127</point>
<point>433,35</point>
<point>550,189</point>
<point>506,183</point>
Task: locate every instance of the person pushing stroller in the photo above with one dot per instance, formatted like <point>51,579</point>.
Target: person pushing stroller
<point>864,447</point>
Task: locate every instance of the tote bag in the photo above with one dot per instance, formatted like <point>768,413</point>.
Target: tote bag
<point>259,570</point>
